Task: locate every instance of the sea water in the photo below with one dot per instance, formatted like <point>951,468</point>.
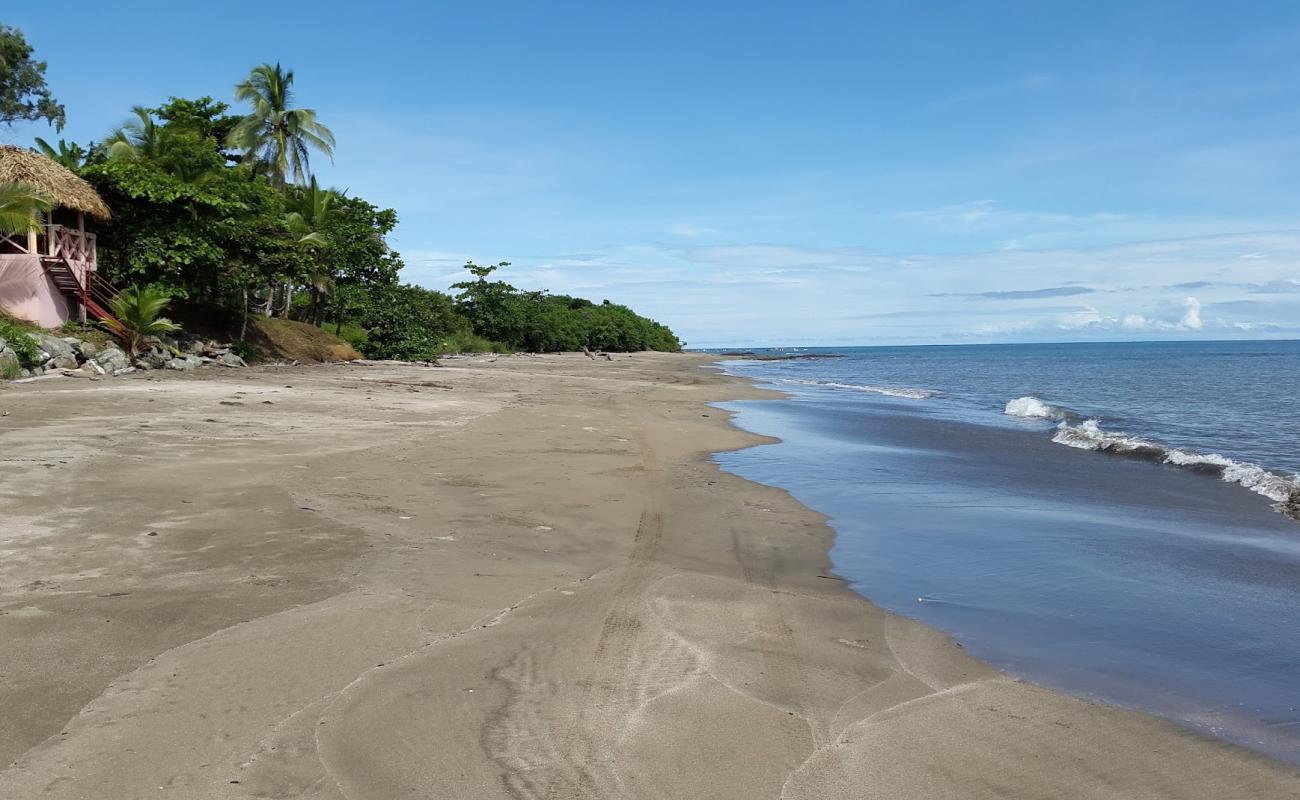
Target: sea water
<point>1106,519</point>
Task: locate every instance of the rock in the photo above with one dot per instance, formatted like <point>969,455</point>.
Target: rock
<point>67,361</point>
<point>231,360</point>
<point>94,367</point>
<point>155,358</point>
<point>1291,506</point>
<point>55,349</point>
<point>181,365</point>
<point>113,360</point>
<point>9,366</point>
<point>86,350</point>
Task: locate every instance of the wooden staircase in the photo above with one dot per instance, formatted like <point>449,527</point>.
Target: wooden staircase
<point>71,266</point>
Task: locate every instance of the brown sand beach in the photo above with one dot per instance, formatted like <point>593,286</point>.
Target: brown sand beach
<point>508,577</point>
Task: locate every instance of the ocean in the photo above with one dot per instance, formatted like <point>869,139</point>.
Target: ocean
<point>1104,519</point>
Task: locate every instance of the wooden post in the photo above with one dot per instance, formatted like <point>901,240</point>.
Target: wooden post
<point>81,235</point>
<point>31,236</point>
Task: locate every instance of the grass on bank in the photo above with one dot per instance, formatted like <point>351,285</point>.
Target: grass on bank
<point>15,333</point>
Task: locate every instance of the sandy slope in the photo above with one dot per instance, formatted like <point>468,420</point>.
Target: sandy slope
<point>529,584</point>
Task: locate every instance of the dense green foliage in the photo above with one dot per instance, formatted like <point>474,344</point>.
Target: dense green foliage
<point>410,323</point>
<point>541,322</point>
<point>219,211</point>
<point>17,340</point>
<point>23,93</point>
<point>206,230</point>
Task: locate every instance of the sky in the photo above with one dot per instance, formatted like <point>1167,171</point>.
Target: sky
<point>780,174</point>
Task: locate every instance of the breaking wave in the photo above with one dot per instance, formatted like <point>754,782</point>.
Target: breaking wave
<point>1032,408</point>
<point>1073,430</point>
<point>888,391</point>
<point>1089,435</point>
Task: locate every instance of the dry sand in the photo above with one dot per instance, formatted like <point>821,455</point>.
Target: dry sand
<point>343,582</point>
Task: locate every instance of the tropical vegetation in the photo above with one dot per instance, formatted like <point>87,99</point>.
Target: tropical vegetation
<point>23,92</point>
<point>138,310</point>
<point>19,206</point>
<point>218,209</point>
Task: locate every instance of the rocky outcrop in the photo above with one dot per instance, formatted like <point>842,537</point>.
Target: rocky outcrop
<point>73,357</point>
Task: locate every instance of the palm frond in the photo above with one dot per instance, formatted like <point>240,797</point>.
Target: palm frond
<point>139,309</point>
<point>20,208</point>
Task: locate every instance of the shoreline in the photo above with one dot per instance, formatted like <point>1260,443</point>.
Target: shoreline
<point>535,583</point>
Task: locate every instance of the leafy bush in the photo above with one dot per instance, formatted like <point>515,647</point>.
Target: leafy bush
<point>245,350</point>
<point>17,339</point>
<point>410,323</point>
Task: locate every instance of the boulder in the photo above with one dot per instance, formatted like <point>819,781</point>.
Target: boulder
<point>64,361</point>
<point>154,358</point>
<point>86,350</point>
<point>55,349</point>
<point>180,365</point>
<point>9,366</point>
<point>230,360</point>
<point>113,360</point>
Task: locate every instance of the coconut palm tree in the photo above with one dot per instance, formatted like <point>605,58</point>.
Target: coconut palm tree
<point>312,208</point>
<point>139,309</point>
<point>277,136</point>
<point>141,137</point>
<point>67,155</point>
<point>20,207</point>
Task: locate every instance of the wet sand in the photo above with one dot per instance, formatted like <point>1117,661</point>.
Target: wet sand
<point>519,577</point>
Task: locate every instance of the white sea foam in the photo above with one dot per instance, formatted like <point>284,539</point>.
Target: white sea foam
<point>1089,435</point>
<point>1031,407</point>
<point>889,391</point>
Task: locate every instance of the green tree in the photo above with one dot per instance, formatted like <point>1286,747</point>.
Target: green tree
<point>23,92</point>
<point>276,136</point>
<point>410,323</point>
<point>486,304</point>
<point>204,117</point>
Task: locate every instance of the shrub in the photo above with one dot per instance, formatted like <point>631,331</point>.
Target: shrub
<point>17,339</point>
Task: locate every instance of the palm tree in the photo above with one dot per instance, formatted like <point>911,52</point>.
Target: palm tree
<point>277,136</point>
<point>312,208</point>
<point>67,155</point>
<point>141,137</point>
<point>20,206</point>
<point>139,309</point>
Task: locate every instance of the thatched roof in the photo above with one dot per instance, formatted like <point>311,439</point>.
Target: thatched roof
<point>56,182</point>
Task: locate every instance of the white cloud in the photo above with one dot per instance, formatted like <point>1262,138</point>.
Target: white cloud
<point>1192,318</point>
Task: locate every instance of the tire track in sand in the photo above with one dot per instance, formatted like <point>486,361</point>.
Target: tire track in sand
<point>548,753</point>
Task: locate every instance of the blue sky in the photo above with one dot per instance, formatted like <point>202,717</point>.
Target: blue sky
<point>782,173</point>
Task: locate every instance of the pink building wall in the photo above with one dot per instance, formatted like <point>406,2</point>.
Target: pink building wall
<point>28,293</point>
